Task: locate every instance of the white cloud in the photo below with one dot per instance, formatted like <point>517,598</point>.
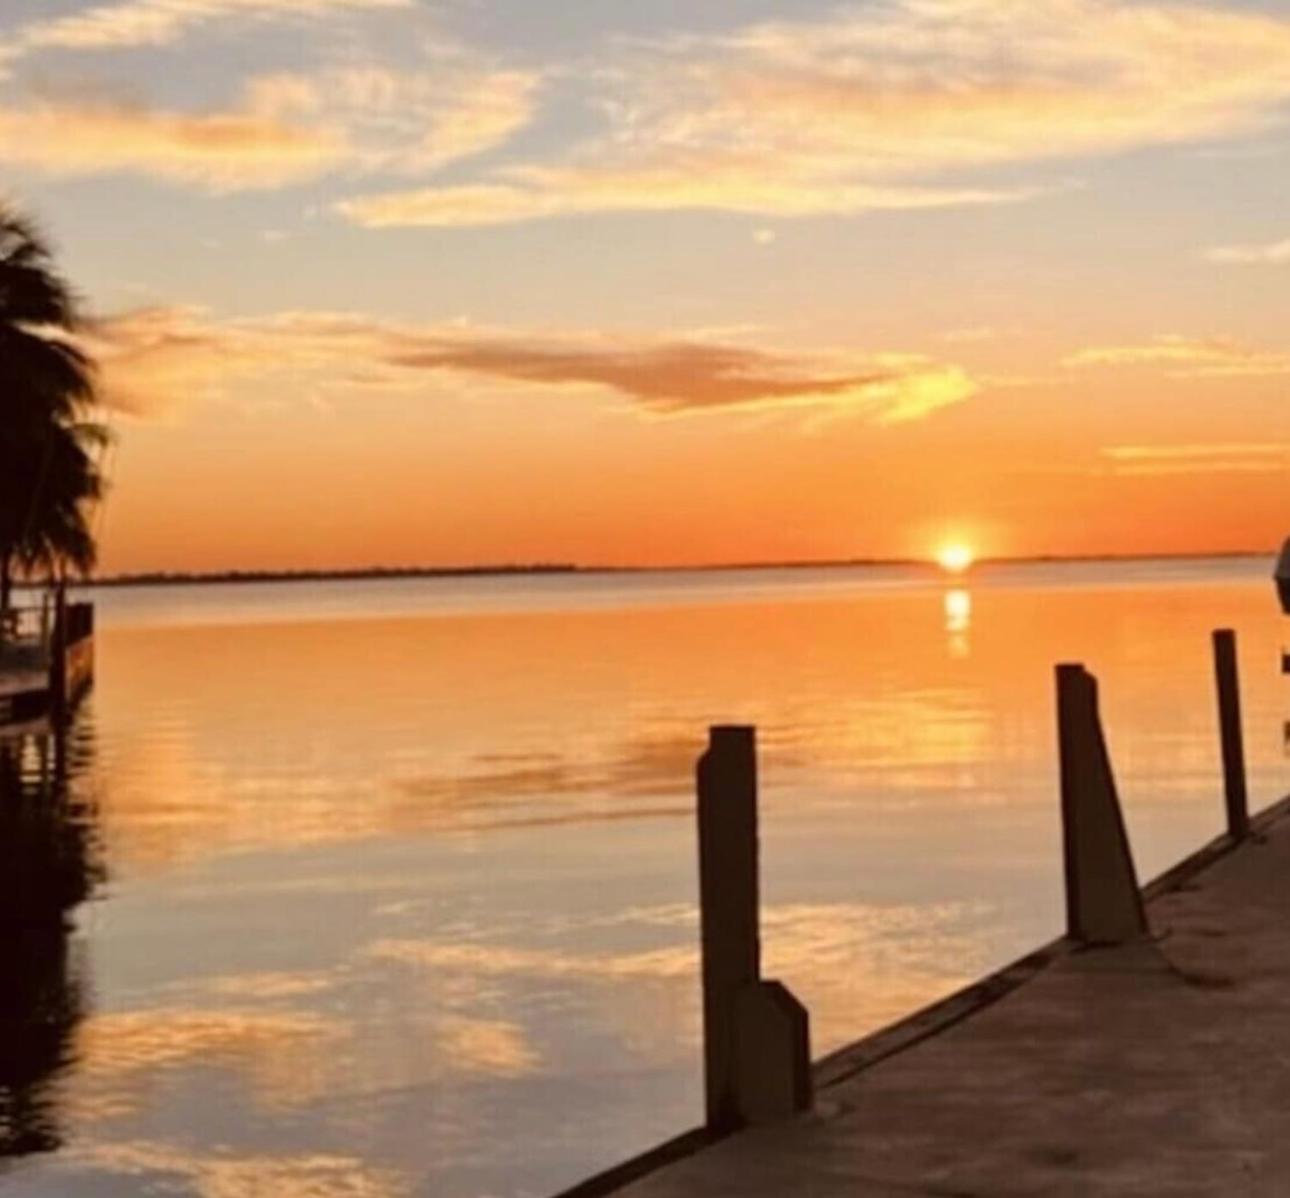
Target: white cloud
<point>159,22</point>
<point>408,121</point>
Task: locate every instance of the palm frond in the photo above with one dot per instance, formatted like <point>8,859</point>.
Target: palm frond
<point>49,475</point>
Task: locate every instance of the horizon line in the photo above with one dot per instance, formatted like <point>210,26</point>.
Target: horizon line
<point>359,573</point>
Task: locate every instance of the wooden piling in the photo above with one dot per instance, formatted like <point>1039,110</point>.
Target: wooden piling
<point>756,1040</point>
<point>1103,902</point>
<point>1227,679</point>
<point>727,797</point>
<point>58,680</point>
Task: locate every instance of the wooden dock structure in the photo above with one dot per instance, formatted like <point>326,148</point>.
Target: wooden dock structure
<point>46,663</point>
<point>1145,1052</point>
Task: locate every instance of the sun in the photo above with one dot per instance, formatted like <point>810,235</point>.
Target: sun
<point>956,557</point>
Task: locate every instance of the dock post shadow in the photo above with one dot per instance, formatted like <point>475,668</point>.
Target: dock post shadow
<point>1227,681</point>
<point>1103,901</point>
<point>756,1036</point>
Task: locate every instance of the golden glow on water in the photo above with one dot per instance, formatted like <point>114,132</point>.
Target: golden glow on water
<point>391,879</point>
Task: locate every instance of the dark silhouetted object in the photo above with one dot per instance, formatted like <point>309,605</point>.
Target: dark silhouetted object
<point>48,472</point>
<point>1282,575</point>
<point>756,1036</point>
<point>48,865</point>
<point>1229,726</point>
<point>1103,901</point>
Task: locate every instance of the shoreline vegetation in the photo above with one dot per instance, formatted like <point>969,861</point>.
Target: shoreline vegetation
<point>380,573</point>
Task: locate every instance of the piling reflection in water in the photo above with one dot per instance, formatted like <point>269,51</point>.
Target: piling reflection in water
<point>49,864</point>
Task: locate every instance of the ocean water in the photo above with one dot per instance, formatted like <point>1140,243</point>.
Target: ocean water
<point>379,889</point>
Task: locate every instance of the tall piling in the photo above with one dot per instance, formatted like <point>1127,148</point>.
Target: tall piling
<point>1227,681</point>
<point>756,1039</point>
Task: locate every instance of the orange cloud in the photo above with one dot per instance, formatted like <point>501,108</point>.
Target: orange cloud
<point>152,356</point>
<point>154,359</point>
<point>289,128</point>
<point>880,106</point>
<point>219,151</point>
<point>671,377</point>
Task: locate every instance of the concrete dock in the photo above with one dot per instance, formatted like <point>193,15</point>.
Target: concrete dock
<point>1160,1066</point>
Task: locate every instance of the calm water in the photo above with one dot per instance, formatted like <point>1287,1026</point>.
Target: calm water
<point>389,889</point>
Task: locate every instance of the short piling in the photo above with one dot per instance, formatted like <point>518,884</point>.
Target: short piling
<point>756,1040</point>
<point>1227,679</point>
<point>1103,901</point>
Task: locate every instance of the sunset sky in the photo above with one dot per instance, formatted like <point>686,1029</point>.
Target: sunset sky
<point>462,281</point>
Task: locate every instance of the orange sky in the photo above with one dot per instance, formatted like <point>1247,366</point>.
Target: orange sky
<point>381,282</point>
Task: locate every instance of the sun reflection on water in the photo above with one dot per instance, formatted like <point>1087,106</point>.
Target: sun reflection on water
<point>958,620</point>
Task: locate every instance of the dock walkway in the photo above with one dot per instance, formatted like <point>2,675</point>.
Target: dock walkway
<point>1160,1067</point>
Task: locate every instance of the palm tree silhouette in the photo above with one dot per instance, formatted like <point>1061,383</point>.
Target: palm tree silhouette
<point>48,472</point>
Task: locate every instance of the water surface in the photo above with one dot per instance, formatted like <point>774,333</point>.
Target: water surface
<point>388,888</point>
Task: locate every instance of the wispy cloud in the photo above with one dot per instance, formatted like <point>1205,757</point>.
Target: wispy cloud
<point>288,128</point>
<point>912,86</point>
<point>535,193</point>
<point>151,356</point>
<point>152,361</point>
<point>1242,457</point>
<point>1186,357</point>
<point>132,23</point>
<point>1227,449</point>
<point>408,121</point>
<point>220,151</point>
<point>1275,253</point>
<point>885,105</point>
<point>890,105</point>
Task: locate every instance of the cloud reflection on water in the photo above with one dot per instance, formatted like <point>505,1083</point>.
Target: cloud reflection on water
<point>228,1175</point>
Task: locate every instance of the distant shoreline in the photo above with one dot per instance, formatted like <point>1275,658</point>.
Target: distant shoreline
<point>539,569</point>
